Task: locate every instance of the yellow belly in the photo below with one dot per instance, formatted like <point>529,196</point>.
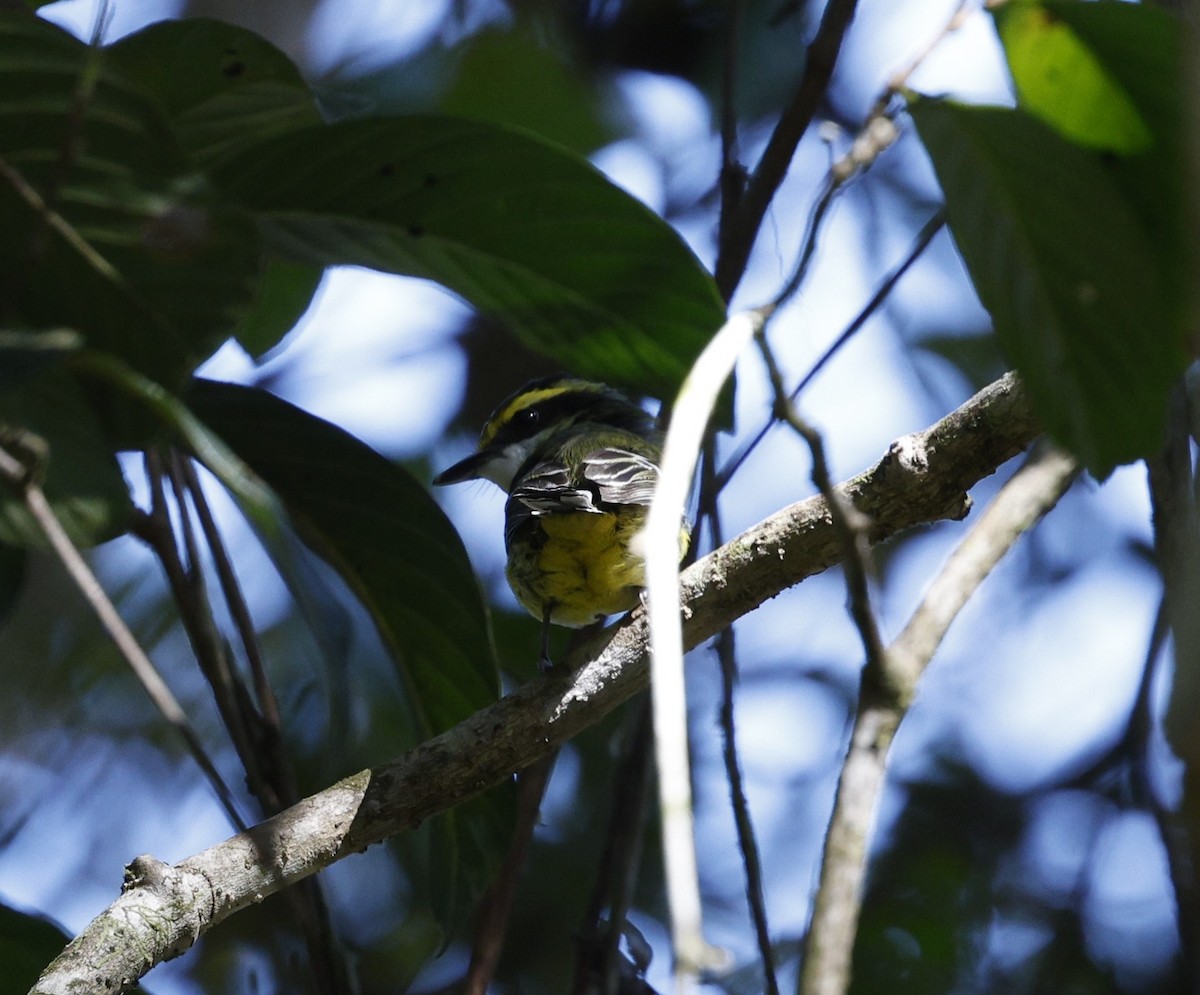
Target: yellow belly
<point>577,563</point>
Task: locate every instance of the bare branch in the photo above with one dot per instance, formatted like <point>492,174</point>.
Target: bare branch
<point>1031,492</point>
<point>922,478</point>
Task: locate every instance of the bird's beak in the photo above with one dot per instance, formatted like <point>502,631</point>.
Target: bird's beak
<point>470,468</point>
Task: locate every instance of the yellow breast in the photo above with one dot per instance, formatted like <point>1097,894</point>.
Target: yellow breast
<point>579,564</point>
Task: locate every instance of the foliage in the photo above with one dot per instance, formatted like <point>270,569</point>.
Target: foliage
<point>182,187</point>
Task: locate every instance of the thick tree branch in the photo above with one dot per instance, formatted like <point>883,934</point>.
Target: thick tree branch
<point>923,478</point>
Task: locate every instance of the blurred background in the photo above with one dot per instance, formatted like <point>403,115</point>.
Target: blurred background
<point>1017,848</point>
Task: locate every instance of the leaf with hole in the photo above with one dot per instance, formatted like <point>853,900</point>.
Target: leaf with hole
<point>524,231</point>
<point>221,86</point>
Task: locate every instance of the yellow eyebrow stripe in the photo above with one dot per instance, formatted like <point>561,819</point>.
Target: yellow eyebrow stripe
<point>503,417</point>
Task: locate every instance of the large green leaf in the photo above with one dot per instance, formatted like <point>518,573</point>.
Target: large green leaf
<point>383,533</point>
<point>397,551</point>
<point>525,231</point>
<point>222,87</point>
<point>1139,47</point>
<point>47,418</point>
<point>107,229</point>
<point>511,76</point>
<point>1061,80</point>
<point>1064,265</point>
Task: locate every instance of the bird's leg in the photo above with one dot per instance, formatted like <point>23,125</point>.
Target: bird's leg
<point>545,664</point>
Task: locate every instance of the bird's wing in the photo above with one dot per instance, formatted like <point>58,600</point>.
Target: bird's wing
<point>621,476</point>
<point>607,476</point>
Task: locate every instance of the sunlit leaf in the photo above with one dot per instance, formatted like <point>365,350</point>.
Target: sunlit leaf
<point>1065,267</point>
<point>524,231</point>
<point>1140,47</point>
<point>1061,80</point>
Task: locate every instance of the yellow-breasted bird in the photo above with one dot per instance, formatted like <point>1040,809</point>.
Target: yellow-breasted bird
<point>579,461</point>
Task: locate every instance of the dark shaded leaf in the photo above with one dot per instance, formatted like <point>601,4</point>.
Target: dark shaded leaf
<point>49,419</point>
<point>511,77</point>
<point>22,354</point>
<point>12,576</point>
<point>27,944</point>
<point>396,550</point>
<point>96,196</point>
<point>1064,265</point>
<point>284,293</point>
<point>383,533</point>
<point>524,231</point>
<point>222,86</point>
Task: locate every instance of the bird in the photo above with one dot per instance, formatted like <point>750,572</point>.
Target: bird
<point>579,461</point>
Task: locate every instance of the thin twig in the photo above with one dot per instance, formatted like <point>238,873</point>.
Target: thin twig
<point>848,524</point>
<point>1176,521</point>
<point>732,179</point>
<point>899,79</point>
<point>924,237</point>
<point>496,909</point>
<point>16,474</point>
<point>751,863</point>
<point>187,588</point>
<point>597,965</point>
<point>820,59</point>
<point>1030,493</point>
<point>231,590</point>
<point>256,742</point>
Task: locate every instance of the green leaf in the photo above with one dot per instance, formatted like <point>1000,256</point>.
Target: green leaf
<point>284,293</point>
<point>1140,47</point>
<point>396,550</point>
<point>382,532</point>
<point>107,228</point>
<point>1064,265</point>
<point>27,944</point>
<point>524,231</point>
<point>512,77</point>
<point>12,577</point>
<point>1062,81</point>
<point>49,419</point>
<point>222,86</point>
<point>22,354</point>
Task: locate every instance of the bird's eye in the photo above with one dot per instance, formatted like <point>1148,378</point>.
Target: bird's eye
<point>527,418</point>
